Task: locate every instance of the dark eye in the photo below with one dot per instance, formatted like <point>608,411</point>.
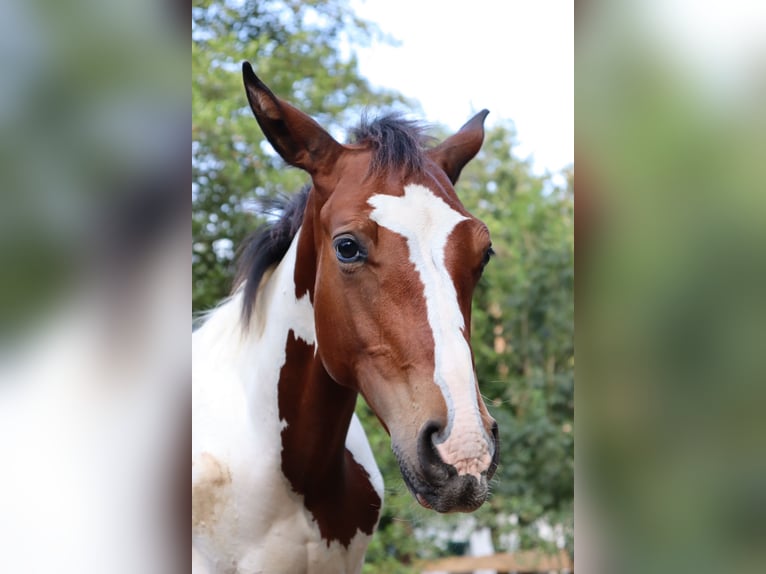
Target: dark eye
<point>348,250</point>
<point>487,256</point>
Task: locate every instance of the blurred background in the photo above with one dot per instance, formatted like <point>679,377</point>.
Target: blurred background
<point>337,60</point>
<point>671,150</point>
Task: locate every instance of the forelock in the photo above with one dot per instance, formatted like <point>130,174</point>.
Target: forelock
<point>397,143</point>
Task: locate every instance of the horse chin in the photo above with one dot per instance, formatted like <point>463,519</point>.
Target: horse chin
<point>458,493</point>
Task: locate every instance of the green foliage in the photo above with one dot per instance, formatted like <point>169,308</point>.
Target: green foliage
<point>523,309</point>
<point>523,335</point>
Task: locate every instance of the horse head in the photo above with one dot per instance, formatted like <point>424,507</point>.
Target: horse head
<point>390,259</point>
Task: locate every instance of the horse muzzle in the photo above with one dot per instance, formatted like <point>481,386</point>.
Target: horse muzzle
<point>439,486</point>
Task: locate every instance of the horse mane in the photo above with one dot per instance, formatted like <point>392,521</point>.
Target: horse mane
<point>397,144</point>
<point>267,246</point>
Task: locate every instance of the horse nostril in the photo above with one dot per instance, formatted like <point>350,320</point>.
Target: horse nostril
<point>426,448</point>
<point>431,463</point>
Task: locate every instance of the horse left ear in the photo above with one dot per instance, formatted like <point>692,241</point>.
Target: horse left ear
<point>295,136</point>
<point>457,150</point>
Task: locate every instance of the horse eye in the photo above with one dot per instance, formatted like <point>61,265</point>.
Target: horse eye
<point>487,256</point>
<point>348,250</point>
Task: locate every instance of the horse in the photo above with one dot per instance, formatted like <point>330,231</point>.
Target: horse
<point>363,286</point>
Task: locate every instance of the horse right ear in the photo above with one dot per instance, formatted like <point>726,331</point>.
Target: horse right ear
<point>295,136</point>
<point>457,150</point>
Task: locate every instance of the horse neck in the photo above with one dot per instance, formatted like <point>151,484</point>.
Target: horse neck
<point>314,411</point>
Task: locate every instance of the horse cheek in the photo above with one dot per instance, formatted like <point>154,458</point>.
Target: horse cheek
<point>333,342</point>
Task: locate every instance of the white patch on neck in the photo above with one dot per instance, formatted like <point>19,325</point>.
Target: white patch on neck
<point>255,522</point>
<point>426,222</point>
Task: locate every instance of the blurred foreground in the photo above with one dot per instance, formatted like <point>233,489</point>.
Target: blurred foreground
<point>95,295</point>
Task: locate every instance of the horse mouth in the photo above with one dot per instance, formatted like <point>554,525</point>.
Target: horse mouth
<point>457,493</point>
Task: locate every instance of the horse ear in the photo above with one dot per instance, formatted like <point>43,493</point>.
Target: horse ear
<point>295,136</point>
<point>457,150</point>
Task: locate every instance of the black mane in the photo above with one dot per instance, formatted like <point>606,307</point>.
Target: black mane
<point>267,246</point>
<point>397,144</point>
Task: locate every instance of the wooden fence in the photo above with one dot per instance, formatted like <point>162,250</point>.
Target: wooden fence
<point>522,562</point>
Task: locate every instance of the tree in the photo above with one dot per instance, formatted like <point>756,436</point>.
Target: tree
<point>523,336</point>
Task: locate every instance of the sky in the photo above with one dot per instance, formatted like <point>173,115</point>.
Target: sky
<point>515,58</point>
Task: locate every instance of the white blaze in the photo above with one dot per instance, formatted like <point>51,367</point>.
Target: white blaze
<point>426,222</point>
